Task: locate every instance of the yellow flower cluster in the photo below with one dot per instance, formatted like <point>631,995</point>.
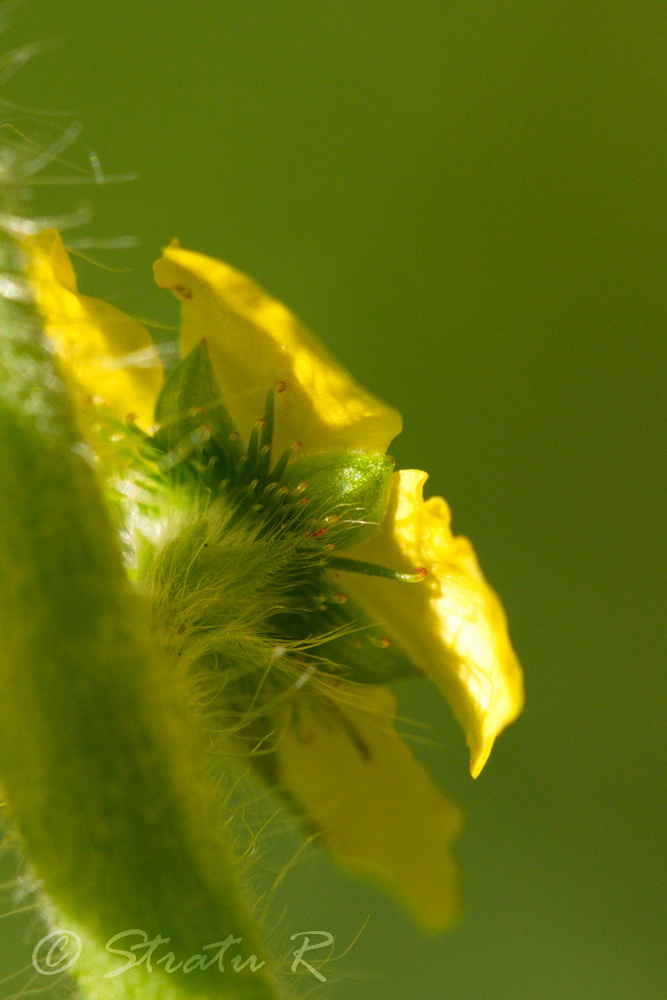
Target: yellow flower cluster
<point>349,772</point>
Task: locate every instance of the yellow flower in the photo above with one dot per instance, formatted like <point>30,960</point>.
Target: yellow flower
<point>452,625</point>
<point>255,342</point>
<point>380,813</point>
<point>92,339</point>
<point>338,756</point>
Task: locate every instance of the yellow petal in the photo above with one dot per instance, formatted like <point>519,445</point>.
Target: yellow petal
<point>254,343</point>
<point>451,624</point>
<point>380,814</point>
<point>91,337</point>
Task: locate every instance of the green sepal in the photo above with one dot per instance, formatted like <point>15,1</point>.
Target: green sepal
<point>190,410</point>
<point>351,644</point>
<point>348,493</point>
<point>365,653</point>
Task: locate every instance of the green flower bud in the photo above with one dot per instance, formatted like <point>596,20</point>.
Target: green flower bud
<point>349,490</point>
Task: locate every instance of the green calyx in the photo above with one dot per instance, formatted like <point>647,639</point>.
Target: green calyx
<point>346,493</point>
<point>270,537</point>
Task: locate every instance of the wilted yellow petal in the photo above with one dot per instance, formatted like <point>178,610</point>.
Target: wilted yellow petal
<point>255,342</point>
<point>380,814</point>
<point>451,624</point>
<point>92,338</point>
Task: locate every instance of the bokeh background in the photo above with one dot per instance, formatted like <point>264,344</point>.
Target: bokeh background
<point>466,200</point>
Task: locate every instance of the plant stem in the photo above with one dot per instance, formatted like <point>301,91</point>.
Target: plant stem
<point>101,758</point>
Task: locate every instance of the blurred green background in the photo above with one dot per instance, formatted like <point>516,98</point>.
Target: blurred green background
<point>467,202</point>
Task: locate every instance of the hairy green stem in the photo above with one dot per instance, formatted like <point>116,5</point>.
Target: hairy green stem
<point>100,756</point>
